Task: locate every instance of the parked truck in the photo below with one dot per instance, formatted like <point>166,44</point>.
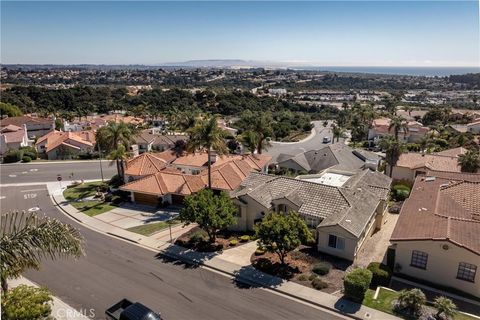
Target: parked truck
<point>127,310</point>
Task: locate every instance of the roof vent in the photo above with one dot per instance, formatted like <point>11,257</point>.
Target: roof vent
<point>348,220</point>
<point>430,179</point>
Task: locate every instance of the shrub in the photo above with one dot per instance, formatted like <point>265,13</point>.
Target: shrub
<point>260,251</point>
<point>380,274</point>
<point>411,301</point>
<point>322,268</point>
<point>356,284</point>
<point>233,242</point>
<point>198,236</point>
<point>26,302</point>
<point>400,192</point>
<point>319,284</point>
<point>116,200</point>
<point>312,276</point>
<point>26,159</point>
<point>444,306</point>
<point>115,181</point>
<point>302,277</point>
<point>30,152</point>
<point>181,242</point>
<point>245,238</point>
<point>13,156</point>
<point>264,264</point>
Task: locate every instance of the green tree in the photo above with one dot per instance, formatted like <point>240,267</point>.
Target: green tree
<point>26,238</point>
<point>211,212</point>
<point>250,140</point>
<point>356,283</point>
<point>119,155</point>
<point>281,233</point>
<point>9,110</point>
<point>470,161</point>
<point>411,300</point>
<point>444,306</point>
<point>26,302</point>
<point>338,132</point>
<point>260,123</point>
<point>398,124</point>
<point>206,134</point>
<point>393,150</point>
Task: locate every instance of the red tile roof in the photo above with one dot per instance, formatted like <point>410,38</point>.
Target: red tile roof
<point>444,208</point>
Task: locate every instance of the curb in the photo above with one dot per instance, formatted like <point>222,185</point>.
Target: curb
<point>230,274</point>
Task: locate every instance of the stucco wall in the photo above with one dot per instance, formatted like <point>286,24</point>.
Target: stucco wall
<point>401,173</point>
<point>350,242</point>
<point>250,212</point>
<point>442,265</point>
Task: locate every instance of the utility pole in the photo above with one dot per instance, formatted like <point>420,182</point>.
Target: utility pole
<point>100,159</point>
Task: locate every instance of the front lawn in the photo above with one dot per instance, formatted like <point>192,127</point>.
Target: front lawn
<point>151,228</point>
<point>386,299</point>
<point>82,190</point>
<point>93,207</point>
<point>90,207</point>
<point>197,239</point>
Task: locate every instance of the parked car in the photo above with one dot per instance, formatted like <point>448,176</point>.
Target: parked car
<point>327,139</point>
<point>127,310</point>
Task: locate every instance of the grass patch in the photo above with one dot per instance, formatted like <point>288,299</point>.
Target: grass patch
<point>151,228</point>
<point>385,302</point>
<point>92,208</point>
<point>82,191</point>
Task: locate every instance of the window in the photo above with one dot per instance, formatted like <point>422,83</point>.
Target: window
<point>419,259</point>
<point>466,271</point>
<point>336,242</point>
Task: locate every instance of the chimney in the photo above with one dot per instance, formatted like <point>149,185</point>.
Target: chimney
<point>213,157</point>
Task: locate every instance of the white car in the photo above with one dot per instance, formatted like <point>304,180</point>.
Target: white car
<point>327,139</point>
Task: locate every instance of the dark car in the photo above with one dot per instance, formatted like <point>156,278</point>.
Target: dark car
<point>127,310</point>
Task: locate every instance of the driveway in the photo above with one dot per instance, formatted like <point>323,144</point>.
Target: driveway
<point>310,143</point>
<point>129,215</point>
<point>375,247</point>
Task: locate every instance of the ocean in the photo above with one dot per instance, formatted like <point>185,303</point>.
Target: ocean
<point>407,71</point>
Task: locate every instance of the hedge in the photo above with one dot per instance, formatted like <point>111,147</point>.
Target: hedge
<point>13,156</point>
<point>356,284</point>
<point>319,284</point>
<point>26,159</point>
<point>400,192</point>
<point>381,274</point>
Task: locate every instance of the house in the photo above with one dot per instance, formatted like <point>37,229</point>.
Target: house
<point>337,155</point>
<point>13,138</point>
<point>380,128</point>
<point>437,236</point>
<point>152,140</point>
<point>97,121</point>
<point>155,180</point>
<point>344,213</point>
<point>65,145</point>
<point>411,164</point>
<point>474,127</point>
<point>36,127</point>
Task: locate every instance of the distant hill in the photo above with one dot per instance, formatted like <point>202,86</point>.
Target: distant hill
<point>226,63</point>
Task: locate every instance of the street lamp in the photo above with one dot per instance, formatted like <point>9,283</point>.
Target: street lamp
<point>100,159</point>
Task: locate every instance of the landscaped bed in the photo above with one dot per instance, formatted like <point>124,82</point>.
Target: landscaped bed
<point>385,302</point>
<point>300,265</point>
<point>81,197</point>
<point>197,239</point>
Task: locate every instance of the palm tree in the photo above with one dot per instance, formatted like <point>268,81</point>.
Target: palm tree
<point>119,155</point>
<point>261,124</point>
<point>206,134</point>
<point>338,132</point>
<point>397,124</point>
<point>470,161</point>
<point>250,140</point>
<point>412,300</point>
<point>26,239</point>
<point>445,306</point>
<point>183,120</point>
<point>111,136</point>
<point>393,150</point>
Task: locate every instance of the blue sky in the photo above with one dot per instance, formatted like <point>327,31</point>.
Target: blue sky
<point>335,33</point>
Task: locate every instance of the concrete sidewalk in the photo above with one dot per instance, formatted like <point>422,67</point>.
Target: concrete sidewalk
<point>60,310</point>
<point>239,270</point>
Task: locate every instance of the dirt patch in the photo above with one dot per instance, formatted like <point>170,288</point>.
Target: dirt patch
<point>299,268</point>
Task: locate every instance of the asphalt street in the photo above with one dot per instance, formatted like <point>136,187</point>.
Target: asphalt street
<point>314,143</point>
<point>114,269</point>
<point>48,171</point>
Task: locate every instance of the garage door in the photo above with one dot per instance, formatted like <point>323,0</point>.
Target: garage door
<point>177,199</point>
<point>143,198</point>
